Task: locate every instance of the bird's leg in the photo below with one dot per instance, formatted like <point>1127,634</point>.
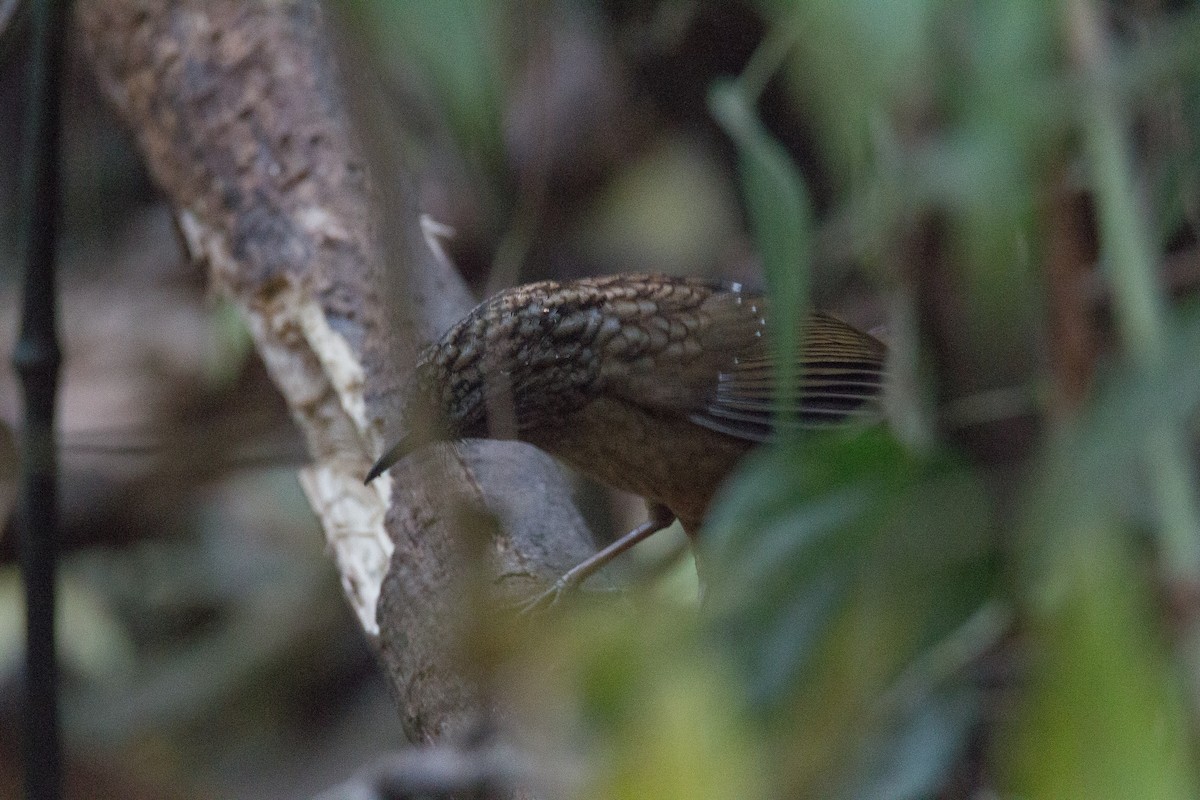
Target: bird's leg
<point>660,517</point>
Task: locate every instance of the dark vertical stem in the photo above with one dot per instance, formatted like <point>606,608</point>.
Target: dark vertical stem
<point>36,359</point>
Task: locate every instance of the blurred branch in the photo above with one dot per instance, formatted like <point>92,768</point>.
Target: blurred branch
<point>240,115</point>
<point>486,772</point>
<point>37,359</point>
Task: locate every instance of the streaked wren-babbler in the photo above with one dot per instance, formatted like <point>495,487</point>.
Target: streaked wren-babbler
<point>652,384</point>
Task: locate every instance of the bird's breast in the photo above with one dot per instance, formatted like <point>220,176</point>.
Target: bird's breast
<point>658,455</point>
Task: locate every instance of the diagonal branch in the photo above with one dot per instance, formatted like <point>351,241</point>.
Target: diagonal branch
<point>238,111</point>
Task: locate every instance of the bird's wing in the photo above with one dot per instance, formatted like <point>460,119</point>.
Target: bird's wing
<point>729,385</point>
<point>839,379</point>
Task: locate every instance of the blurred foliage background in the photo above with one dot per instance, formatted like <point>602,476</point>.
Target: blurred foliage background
<point>994,595</point>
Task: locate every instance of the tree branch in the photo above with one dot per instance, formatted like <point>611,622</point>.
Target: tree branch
<point>240,115</point>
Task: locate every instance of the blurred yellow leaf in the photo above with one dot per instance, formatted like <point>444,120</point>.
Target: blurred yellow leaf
<point>686,738</point>
<point>1103,717</point>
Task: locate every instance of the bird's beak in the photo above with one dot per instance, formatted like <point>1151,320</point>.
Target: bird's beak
<point>390,457</point>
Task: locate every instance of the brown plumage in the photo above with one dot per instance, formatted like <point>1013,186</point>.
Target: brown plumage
<point>653,384</point>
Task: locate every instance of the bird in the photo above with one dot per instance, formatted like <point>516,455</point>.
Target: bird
<point>653,384</point>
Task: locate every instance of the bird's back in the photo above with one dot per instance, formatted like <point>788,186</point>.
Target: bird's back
<point>652,384</point>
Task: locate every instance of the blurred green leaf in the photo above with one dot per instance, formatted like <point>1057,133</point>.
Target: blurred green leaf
<point>1103,716</point>
<point>857,62</point>
<point>1097,460</point>
<point>1176,181</point>
<point>833,563</point>
<point>685,739</point>
<point>459,48</point>
<point>904,761</point>
<point>652,708</point>
<point>1006,139</point>
<point>781,218</point>
<point>1157,74</point>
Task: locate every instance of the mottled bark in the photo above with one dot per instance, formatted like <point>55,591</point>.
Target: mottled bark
<point>239,113</point>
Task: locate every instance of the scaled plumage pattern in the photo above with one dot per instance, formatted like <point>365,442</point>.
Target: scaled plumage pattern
<point>653,384</point>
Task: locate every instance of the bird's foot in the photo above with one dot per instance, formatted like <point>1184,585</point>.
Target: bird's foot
<point>660,517</point>
<point>548,599</point>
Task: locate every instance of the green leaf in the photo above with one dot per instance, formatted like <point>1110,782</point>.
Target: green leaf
<point>833,565</point>
<point>461,49</point>
<point>1103,717</point>
<point>781,219</point>
<point>910,758</point>
<point>856,61</point>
